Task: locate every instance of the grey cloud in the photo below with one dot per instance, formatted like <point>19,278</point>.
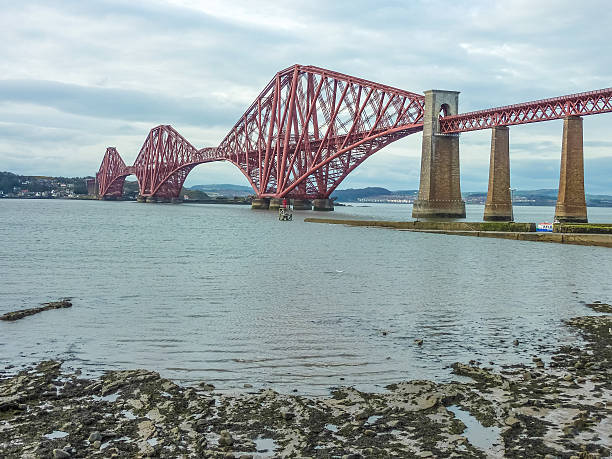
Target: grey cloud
<point>192,69</point>
<point>117,103</point>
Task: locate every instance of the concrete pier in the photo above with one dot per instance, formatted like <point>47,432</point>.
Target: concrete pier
<point>150,199</point>
<point>324,205</point>
<point>141,198</point>
<point>499,201</point>
<point>439,189</point>
<point>275,203</point>
<point>260,203</point>
<point>571,201</point>
<point>302,204</point>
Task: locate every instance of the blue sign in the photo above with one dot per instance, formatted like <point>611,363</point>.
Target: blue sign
<point>544,227</point>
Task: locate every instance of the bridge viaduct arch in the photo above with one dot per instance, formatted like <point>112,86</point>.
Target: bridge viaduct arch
<point>310,127</point>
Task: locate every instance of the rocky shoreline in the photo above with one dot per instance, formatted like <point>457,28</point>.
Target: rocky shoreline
<point>558,408</point>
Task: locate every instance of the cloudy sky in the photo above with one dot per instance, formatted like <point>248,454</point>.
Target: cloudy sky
<point>77,76</point>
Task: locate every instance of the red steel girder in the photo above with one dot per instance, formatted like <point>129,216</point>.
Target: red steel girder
<point>310,127</point>
<point>164,161</point>
<point>586,103</point>
<point>112,174</point>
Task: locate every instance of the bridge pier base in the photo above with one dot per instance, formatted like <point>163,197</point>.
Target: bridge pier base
<point>176,200</point>
<point>302,204</point>
<point>571,201</point>
<point>260,203</point>
<point>275,203</point>
<point>499,201</point>
<point>439,189</point>
<point>141,198</point>
<point>324,205</point>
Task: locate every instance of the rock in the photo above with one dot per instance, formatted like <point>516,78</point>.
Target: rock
<point>515,342</point>
<point>479,374</point>
<point>16,315</point>
<point>418,342</point>
<point>248,386</point>
<point>369,433</point>
<point>206,386</point>
<point>426,403</point>
<point>225,438</point>
<point>425,454</point>
<point>287,415</point>
<point>95,436</point>
<point>97,444</point>
<point>512,421</point>
<point>60,454</point>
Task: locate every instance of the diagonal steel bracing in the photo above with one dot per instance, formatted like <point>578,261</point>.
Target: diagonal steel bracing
<point>309,128</point>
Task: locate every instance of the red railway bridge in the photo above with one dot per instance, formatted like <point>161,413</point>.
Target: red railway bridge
<point>310,127</point>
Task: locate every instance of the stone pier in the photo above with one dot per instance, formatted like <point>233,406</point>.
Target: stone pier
<point>275,203</point>
<point>571,201</point>
<point>499,201</point>
<point>260,203</point>
<point>302,204</point>
<point>141,198</point>
<point>324,205</point>
<point>439,189</point>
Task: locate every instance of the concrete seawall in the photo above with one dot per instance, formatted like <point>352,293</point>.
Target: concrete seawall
<point>515,231</point>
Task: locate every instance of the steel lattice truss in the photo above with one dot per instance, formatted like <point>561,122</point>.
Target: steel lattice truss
<point>112,174</point>
<point>164,161</point>
<point>310,127</point>
<point>586,103</point>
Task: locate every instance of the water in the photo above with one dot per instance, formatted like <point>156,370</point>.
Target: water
<point>478,435</point>
<point>232,296</point>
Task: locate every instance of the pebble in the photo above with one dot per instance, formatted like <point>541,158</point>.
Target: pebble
<point>60,454</point>
<point>97,444</point>
<point>418,342</point>
<point>95,436</point>
<point>515,342</point>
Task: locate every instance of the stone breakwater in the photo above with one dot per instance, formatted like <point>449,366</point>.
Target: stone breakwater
<point>558,408</point>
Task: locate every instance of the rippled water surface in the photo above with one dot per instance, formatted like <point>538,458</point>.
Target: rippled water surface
<point>233,296</point>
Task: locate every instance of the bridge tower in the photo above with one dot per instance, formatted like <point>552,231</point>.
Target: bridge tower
<point>439,189</point>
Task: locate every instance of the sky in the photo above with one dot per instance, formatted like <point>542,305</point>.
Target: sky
<point>76,77</point>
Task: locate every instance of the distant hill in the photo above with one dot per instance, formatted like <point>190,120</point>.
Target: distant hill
<point>224,189</point>
<point>542,197</point>
<point>352,195</point>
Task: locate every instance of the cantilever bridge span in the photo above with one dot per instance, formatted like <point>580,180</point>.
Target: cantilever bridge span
<point>310,127</point>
